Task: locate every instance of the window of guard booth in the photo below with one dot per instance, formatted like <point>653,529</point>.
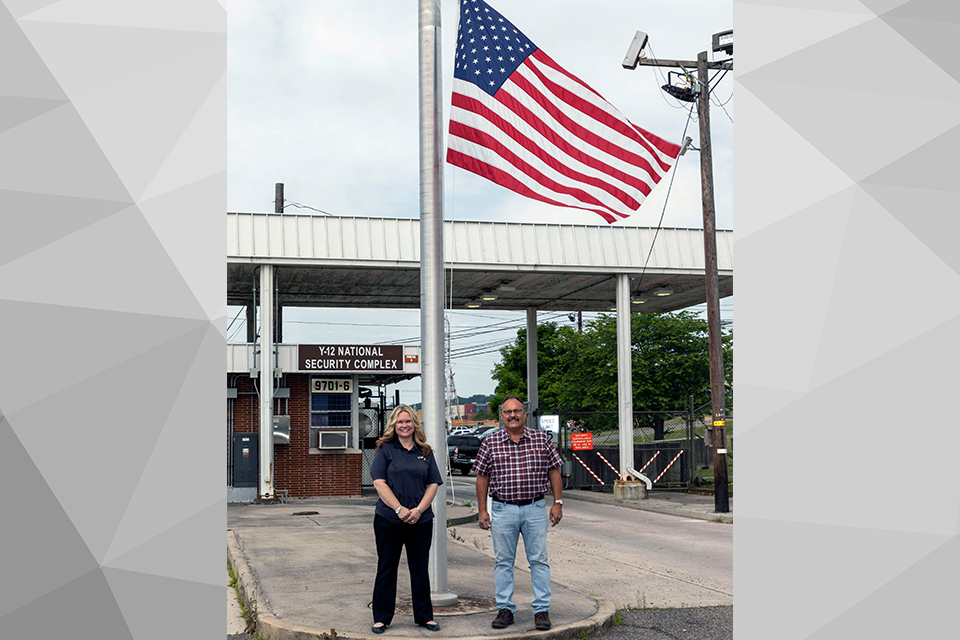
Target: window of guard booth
<point>329,411</point>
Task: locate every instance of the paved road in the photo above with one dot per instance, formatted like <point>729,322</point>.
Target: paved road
<point>633,558</point>
<point>702,623</point>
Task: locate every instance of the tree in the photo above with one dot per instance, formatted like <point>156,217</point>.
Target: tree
<point>555,345</point>
<point>578,372</point>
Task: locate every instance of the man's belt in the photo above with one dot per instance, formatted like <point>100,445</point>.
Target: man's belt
<point>519,503</point>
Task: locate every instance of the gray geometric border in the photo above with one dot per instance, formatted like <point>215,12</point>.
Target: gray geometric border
<point>112,149</point>
<point>112,194</point>
<point>848,318</point>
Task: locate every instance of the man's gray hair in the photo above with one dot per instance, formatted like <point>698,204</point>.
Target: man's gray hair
<point>523,403</point>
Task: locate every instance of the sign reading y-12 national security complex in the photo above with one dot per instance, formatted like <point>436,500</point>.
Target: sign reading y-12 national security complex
<point>351,358</point>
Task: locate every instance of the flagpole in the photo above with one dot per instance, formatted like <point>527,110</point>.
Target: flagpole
<point>431,280</point>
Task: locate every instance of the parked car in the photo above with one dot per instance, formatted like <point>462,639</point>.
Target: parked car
<point>463,452</point>
<point>459,430</point>
<point>452,442</point>
<point>483,432</point>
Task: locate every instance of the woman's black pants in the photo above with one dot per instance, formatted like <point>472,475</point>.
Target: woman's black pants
<point>391,539</point>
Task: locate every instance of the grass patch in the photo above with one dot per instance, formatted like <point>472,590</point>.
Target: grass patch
<point>249,614</point>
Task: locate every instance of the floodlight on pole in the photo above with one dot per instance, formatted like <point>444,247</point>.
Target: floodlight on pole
<point>685,93</point>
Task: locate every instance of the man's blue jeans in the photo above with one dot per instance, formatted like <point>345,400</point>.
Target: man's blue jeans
<point>507,523</point>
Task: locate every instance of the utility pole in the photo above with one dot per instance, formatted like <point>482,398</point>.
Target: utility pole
<point>717,396</point>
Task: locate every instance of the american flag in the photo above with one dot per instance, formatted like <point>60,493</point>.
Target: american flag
<point>520,120</point>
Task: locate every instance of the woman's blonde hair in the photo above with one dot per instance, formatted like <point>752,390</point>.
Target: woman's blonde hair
<point>419,435</point>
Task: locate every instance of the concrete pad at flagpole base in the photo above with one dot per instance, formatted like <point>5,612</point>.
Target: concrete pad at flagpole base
<point>445,599</point>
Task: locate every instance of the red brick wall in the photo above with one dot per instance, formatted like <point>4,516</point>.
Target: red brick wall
<point>302,473</point>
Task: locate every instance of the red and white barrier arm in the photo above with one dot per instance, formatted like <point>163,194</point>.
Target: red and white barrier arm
<point>649,461</point>
<point>588,469</point>
<point>615,470</point>
<point>668,466</point>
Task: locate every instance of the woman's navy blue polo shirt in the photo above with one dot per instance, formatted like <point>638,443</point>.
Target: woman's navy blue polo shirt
<point>407,474</point>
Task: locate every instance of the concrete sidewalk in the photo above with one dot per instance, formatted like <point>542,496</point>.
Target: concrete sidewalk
<point>307,567</point>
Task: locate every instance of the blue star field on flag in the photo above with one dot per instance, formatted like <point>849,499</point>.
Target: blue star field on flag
<point>489,47</point>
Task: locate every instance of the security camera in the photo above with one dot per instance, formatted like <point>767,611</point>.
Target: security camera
<point>635,52</point>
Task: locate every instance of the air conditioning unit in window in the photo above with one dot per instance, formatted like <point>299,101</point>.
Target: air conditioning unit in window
<point>332,439</point>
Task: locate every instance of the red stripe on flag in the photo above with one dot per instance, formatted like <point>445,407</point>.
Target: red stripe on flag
<point>579,131</point>
<point>484,139</point>
<point>551,134</point>
<point>668,148</point>
<point>591,110</point>
<point>548,61</point>
<point>475,106</point>
<point>514,105</point>
<point>504,179</point>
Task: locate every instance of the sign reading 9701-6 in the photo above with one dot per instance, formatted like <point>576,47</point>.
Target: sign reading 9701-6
<point>331,385</point>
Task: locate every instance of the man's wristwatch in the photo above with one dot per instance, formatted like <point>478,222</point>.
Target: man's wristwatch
<point>560,502</point>
<point>397,510</point>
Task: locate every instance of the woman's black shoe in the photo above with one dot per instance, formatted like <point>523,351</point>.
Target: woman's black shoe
<point>379,629</point>
<point>431,626</point>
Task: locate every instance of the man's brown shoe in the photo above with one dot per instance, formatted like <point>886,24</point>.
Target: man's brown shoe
<point>542,620</point>
<point>504,619</point>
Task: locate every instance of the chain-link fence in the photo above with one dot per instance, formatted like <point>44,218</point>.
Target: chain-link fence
<point>669,447</point>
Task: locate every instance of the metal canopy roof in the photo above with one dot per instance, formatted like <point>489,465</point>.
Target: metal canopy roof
<point>330,261</point>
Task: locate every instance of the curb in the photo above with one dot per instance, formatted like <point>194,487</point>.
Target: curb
<point>473,517</point>
<point>600,620</point>
<point>246,584</point>
<point>646,505</point>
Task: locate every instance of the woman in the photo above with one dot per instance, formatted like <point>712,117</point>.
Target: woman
<point>406,478</point>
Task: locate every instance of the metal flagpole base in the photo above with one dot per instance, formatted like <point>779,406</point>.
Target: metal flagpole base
<point>443,599</point>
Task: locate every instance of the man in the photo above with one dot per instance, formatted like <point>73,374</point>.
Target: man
<point>516,465</point>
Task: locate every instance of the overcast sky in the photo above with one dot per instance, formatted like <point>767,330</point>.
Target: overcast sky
<point>323,97</point>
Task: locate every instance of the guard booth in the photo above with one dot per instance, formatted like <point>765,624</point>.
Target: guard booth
<point>330,406</point>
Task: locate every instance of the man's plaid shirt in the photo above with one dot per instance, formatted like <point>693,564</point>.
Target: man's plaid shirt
<point>517,470</point>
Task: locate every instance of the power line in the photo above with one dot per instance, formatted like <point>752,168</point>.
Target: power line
<point>352,324</point>
<point>666,199</point>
